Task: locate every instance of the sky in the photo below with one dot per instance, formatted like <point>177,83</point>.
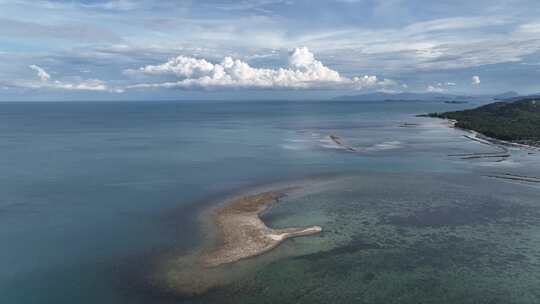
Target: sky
<point>265,49</point>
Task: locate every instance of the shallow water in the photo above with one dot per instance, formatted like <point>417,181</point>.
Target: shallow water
<point>95,194</point>
<point>443,242</point>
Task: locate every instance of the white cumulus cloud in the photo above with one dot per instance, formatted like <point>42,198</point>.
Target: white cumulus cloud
<point>475,80</point>
<point>304,71</point>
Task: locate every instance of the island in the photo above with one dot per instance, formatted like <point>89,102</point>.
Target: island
<point>511,121</point>
<point>242,233</point>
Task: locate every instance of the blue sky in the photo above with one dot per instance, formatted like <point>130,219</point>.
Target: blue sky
<point>218,49</point>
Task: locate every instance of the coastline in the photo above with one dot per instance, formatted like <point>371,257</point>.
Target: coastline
<point>499,142</point>
<point>484,139</point>
<point>489,118</point>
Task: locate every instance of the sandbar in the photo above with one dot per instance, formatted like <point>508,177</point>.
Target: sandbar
<point>242,233</point>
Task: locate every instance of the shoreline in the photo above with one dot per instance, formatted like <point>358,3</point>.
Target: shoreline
<point>473,135</point>
<point>478,136</point>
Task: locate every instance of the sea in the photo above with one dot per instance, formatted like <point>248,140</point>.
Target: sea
<point>96,195</point>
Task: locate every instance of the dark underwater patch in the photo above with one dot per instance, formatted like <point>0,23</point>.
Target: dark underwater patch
<point>463,214</point>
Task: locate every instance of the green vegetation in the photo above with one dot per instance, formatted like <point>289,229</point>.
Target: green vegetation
<point>517,121</point>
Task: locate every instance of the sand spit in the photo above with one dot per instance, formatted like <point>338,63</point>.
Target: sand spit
<point>242,234</point>
<point>235,242</point>
<point>337,140</point>
<point>409,125</point>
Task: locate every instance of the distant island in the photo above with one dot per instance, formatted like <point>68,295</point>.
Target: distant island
<point>515,121</point>
<point>455,101</point>
<point>383,96</point>
<point>426,96</point>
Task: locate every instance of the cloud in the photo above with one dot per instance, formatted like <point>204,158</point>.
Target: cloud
<point>435,89</point>
<point>70,31</point>
<point>121,5</point>
<point>475,80</point>
<point>257,5</point>
<point>42,74</point>
<point>85,85</point>
<point>456,23</point>
<point>529,28</point>
<point>304,71</point>
<point>46,83</point>
<point>106,5</point>
<point>441,87</point>
<point>418,42</point>
<point>445,43</point>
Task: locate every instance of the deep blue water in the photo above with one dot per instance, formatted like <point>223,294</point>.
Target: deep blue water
<point>92,192</point>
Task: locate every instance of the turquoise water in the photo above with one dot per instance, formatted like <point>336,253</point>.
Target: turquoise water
<point>93,194</point>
